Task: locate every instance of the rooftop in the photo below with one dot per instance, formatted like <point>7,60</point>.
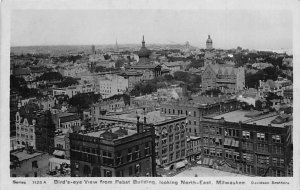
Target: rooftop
<point>252,117</point>
<point>153,117</point>
<point>23,155</point>
<point>114,130</point>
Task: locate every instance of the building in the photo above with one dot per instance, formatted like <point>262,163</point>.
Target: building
<point>236,142</point>
<point>113,151</point>
<point>73,90</point>
<point>25,123</point>
<point>28,164</point>
<point>197,107</point>
<point>277,87</point>
<point>145,65</point>
<point>45,132</point>
<point>109,106</point>
<point>170,135</point>
<point>226,78</point>
<point>110,85</point>
<point>66,120</point>
<point>134,77</point>
<point>209,56</point>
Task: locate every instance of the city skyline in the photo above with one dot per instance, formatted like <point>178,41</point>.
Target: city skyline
<point>260,30</point>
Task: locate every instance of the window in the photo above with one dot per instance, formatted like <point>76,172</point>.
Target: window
<point>171,147</point>
<point>195,114</point>
<point>119,159</point>
<point>236,155</point>
<point>34,164</point>
<point>228,154</point>
<point>176,137</point>
<point>164,141</point>
<point>129,155</point>
<point>276,138</point>
<point>277,150</point>
<point>264,160</point>
<point>246,134</point>
<point>177,154</point>
<point>171,157</point>
<point>212,151</point>
<point>247,145</point>
<point>164,150</point>
<point>219,152</point>
<point>183,153</point>
<point>137,168</point>
<point>260,136</point>
<point>107,173</point>
<point>248,157</point>
<point>262,148</point>
<point>190,123</point>
<point>137,152</point>
<point>177,145</point>
<point>205,129</point>
<point>147,149</point>
<point>182,143</point>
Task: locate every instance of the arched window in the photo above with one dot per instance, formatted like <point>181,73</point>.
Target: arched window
<point>171,128</point>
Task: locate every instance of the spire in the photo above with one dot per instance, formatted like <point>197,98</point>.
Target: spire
<point>208,36</point>
<point>143,42</point>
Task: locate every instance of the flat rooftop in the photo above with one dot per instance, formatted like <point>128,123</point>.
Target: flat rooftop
<point>258,119</point>
<point>113,130</point>
<point>151,117</point>
<point>23,155</point>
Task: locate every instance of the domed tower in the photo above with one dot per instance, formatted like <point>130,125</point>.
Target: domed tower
<point>209,43</point>
<point>144,53</point>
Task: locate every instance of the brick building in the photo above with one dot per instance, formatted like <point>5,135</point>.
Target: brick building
<point>253,146</point>
<point>197,107</point>
<point>113,151</point>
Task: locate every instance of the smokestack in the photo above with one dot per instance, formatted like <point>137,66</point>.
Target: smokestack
<point>138,124</point>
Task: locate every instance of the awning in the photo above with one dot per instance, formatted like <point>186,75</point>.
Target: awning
<point>180,165</point>
<point>59,153</point>
<point>59,161</point>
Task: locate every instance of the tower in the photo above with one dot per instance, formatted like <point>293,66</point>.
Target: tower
<point>209,43</point>
<point>93,49</point>
<point>144,53</point>
<point>117,47</point>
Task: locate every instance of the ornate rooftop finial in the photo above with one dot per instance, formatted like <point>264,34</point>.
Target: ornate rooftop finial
<point>143,42</point>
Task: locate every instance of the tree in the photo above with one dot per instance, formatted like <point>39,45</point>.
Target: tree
<point>50,76</point>
<point>258,105</point>
<point>67,81</point>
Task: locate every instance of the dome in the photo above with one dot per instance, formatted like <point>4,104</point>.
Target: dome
<point>144,52</point>
<point>209,39</point>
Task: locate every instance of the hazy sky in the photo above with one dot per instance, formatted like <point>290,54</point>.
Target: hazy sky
<point>265,29</point>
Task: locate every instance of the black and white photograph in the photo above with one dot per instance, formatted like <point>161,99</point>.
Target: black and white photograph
<point>165,93</point>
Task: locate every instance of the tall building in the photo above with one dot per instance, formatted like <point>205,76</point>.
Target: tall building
<point>209,57</point>
<point>145,65</point>
<point>144,53</point>
<point>170,134</point>
<point>209,43</point>
<point>113,150</point>
<point>93,50</point>
<point>194,109</point>
<point>45,133</point>
<point>226,78</point>
<point>254,145</point>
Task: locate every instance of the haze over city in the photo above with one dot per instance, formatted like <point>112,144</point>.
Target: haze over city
<point>251,29</point>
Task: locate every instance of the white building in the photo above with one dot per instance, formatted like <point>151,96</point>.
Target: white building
<point>112,84</point>
<point>73,90</point>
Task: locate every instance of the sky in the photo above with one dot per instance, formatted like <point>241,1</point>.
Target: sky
<point>252,29</point>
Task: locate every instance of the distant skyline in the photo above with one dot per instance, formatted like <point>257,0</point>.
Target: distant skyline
<point>252,29</point>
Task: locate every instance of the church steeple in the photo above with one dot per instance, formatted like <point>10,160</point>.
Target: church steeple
<point>143,42</point>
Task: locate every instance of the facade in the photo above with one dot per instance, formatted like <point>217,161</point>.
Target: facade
<point>25,128</point>
<point>73,90</point>
<point>250,146</point>
<point>113,151</point>
<point>197,107</point>
<point>277,87</point>
<point>111,85</point>
<point>45,132</point>
<point>134,77</point>
<point>116,105</point>
<point>66,120</point>
<point>226,78</point>
<point>24,164</point>
<point>170,135</point>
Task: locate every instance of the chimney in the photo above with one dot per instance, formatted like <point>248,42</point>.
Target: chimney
<point>145,120</point>
<point>138,124</point>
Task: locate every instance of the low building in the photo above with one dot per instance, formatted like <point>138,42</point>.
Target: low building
<point>113,84</point>
<point>28,164</point>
